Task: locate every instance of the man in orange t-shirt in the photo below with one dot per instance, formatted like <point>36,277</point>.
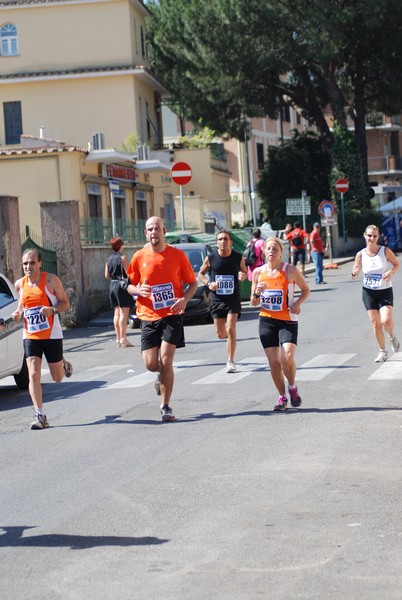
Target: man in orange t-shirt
<point>158,273</point>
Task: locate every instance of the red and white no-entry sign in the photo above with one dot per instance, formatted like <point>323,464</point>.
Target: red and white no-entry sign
<point>342,186</point>
<point>181,173</point>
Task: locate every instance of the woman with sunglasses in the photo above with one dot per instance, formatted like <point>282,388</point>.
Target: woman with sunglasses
<point>377,288</point>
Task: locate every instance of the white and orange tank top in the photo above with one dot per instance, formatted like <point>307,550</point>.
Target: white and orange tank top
<point>278,296</point>
<point>37,326</point>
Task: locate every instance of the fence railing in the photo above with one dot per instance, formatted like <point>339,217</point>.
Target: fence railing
<point>385,163</point>
<point>95,230</point>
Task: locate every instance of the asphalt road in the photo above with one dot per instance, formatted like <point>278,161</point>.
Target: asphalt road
<point>231,501</point>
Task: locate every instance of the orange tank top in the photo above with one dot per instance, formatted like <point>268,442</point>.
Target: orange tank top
<point>37,326</point>
<point>278,295</point>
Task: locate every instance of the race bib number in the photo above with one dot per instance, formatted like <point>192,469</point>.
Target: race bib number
<point>224,284</point>
<point>35,320</point>
<point>373,280</point>
<point>162,296</point>
<point>272,300</point>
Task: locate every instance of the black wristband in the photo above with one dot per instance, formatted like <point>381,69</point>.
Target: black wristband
<point>256,295</point>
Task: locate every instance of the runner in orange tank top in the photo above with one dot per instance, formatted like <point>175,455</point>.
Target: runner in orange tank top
<point>273,288</point>
<point>42,298</point>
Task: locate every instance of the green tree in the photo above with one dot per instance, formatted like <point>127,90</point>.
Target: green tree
<point>228,58</point>
<point>301,163</point>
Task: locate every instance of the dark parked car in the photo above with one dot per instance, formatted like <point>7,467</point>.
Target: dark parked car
<point>198,306</point>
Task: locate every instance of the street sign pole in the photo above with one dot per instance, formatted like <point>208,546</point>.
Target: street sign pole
<point>303,199</point>
<point>342,186</point>
<point>182,208</point>
<point>181,174</point>
<point>345,237</point>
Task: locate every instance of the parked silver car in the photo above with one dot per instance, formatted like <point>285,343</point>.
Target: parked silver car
<point>12,361</point>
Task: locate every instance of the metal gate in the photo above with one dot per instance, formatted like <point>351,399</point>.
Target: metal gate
<point>47,250</point>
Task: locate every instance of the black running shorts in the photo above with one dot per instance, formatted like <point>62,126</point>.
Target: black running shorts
<point>169,329</point>
<point>275,332</point>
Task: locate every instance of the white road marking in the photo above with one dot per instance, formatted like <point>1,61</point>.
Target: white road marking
<point>391,369</point>
<point>148,377</point>
<point>320,366</point>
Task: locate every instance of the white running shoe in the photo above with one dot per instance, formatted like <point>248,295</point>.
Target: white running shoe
<point>395,345</point>
<point>231,367</point>
<point>381,356</point>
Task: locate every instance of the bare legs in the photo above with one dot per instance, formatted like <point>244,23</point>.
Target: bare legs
<point>120,319</point>
<point>282,364</point>
<point>226,329</point>
<point>381,320</point>
<point>34,364</point>
<point>161,360</point>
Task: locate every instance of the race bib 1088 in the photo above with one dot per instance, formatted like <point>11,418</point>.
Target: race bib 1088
<point>224,284</point>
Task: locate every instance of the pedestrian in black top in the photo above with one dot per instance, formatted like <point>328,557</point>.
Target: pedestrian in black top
<point>120,299</point>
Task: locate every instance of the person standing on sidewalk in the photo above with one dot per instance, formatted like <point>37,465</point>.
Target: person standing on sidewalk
<point>120,300</point>
<point>317,253</point>
<point>226,268</point>
<point>377,291</point>
<point>273,288</point>
<point>157,274</point>
<point>41,299</point>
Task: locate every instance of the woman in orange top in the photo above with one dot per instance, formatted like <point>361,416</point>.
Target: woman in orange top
<point>273,288</point>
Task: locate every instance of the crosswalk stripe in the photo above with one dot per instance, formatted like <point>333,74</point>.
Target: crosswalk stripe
<point>148,377</point>
<point>245,367</point>
<point>321,365</point>
<point>392,369</point>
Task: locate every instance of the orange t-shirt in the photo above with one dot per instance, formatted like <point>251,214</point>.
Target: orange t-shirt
<point>166,272</point>
<point>278,296</point>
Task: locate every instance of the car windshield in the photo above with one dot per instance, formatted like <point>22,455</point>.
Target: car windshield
<point>6,296</point>
<point>196,258</point>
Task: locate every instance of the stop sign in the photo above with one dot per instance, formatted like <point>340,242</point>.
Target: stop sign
<point>181,173</point>
<point>342,185</point>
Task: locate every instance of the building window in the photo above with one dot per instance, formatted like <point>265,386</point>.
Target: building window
<point>142,42</point>
<point>9,40</point>
<point>12,122</point>
<point>285,113</point>
<point>141,203</point>
<point>260,156</point>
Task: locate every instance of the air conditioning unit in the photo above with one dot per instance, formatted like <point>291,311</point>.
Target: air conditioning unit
<point>98,141</point>
<point>143,152</point>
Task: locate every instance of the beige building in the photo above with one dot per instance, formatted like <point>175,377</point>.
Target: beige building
<point>84,78</point>
<point>77,71</point>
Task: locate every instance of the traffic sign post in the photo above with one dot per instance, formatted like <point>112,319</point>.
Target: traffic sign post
<point>342,186</point>
<point>181,174</point>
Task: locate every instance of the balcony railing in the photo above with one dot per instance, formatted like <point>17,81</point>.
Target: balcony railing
<point>384,164</point>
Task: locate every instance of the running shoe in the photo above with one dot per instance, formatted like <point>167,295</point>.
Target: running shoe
<point>281,405</point>
<point>167,414</point>
<point>381,356</point>
<point>231,367</point>
<point>157,384</point>
<point>68,368</point>
<point>40,422</point>
<point>395,345</point>
<point>295,399</point>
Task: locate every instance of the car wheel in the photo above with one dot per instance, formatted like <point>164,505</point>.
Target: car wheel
<point>22,379</point>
